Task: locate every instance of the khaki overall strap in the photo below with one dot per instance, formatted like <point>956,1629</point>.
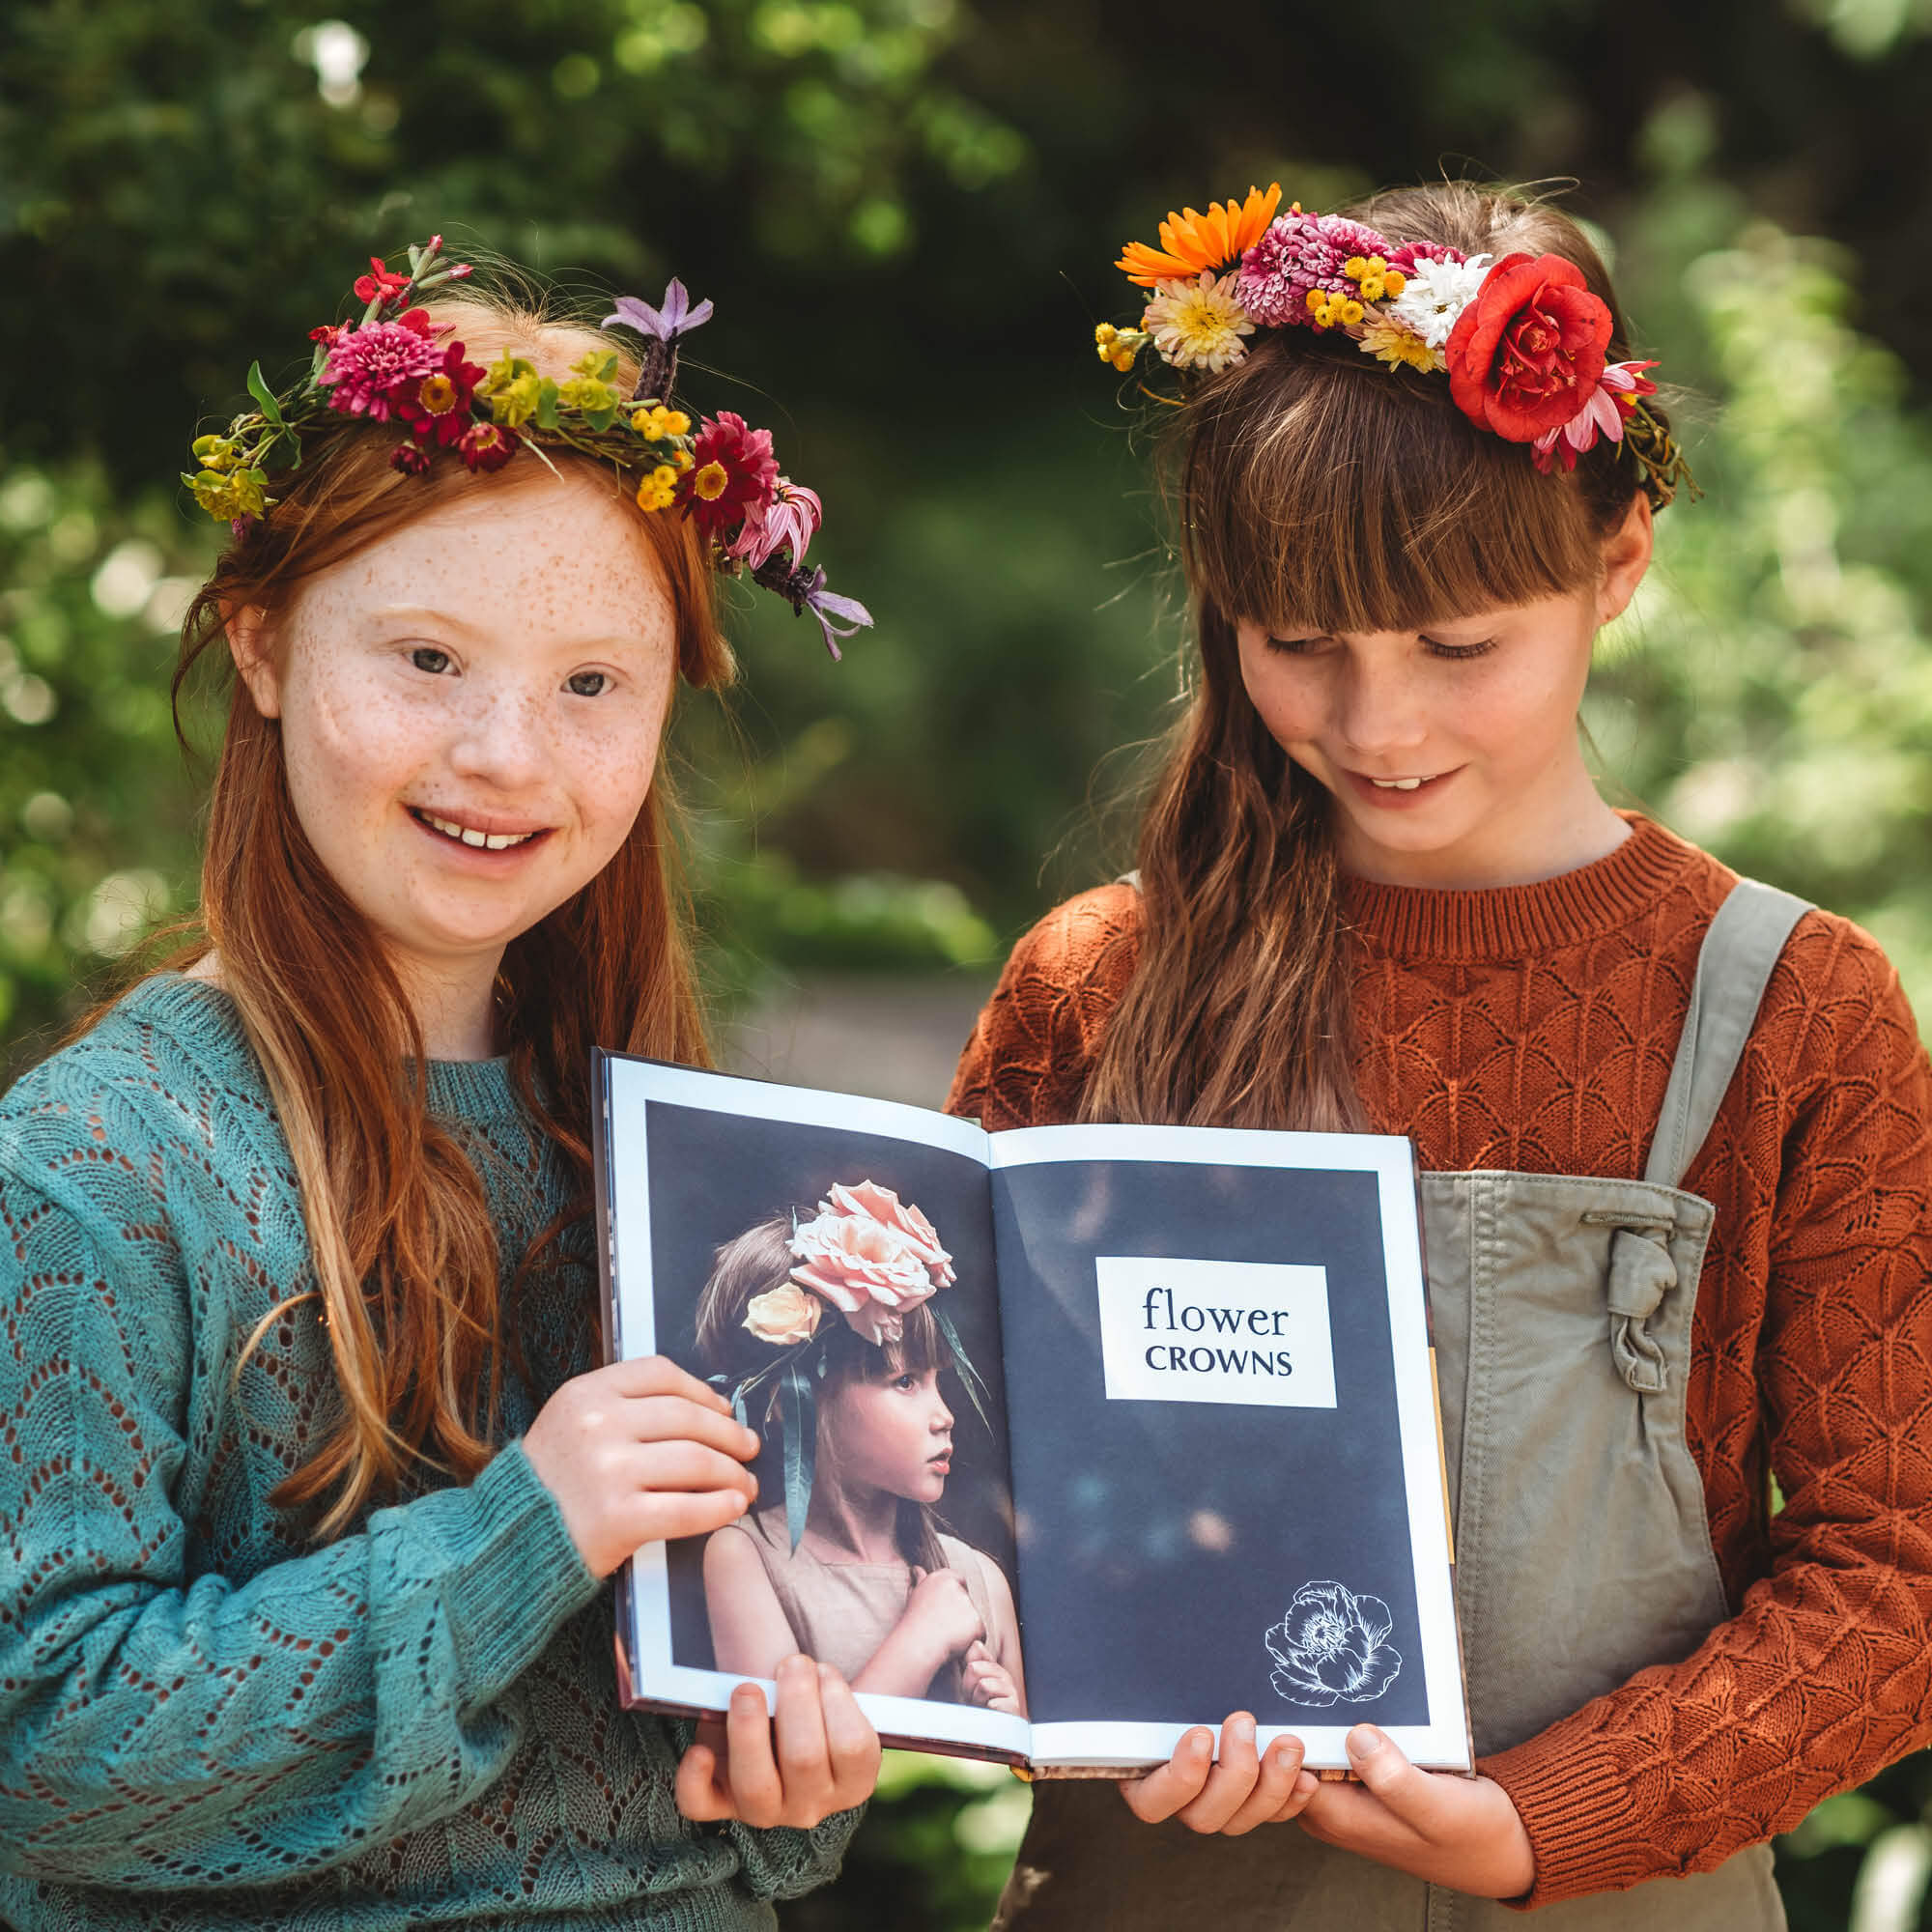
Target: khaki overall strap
<point>1738,952</point>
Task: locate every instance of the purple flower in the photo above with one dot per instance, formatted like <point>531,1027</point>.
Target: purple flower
<point>677,317</point>
<point>1298,253</point>
<point>377,365</point>
<point>805,590</point>
<point>786,523</point>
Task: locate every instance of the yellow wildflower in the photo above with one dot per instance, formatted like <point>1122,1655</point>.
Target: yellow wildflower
<point>1388,341</point>
<point>658,424</point>
<point>683,459</point>
<point>658,490</point>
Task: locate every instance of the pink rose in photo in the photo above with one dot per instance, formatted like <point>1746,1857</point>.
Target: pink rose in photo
<point>871,1256</point>
<point>883,1205</point>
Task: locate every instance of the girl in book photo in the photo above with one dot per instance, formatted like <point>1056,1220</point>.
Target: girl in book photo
<point>823,1323</point>
<point>314,1481</point>
<point>1673,1125</point>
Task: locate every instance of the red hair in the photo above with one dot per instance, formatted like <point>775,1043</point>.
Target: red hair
<point>405,1254</point>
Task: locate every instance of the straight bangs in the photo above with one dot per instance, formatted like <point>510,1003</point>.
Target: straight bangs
<point>1321,492</point>
<point>918,1348</point>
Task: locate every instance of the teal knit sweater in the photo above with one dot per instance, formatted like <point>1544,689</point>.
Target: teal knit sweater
<point>205,1721</point>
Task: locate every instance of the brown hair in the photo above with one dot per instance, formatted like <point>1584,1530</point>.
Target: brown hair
<point>1318,487</point>
<point>759,1260</point>
<point>405,1254</point>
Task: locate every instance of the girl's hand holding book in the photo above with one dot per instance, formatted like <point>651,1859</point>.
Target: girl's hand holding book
<point>1459,1831</point>
<point>816,1755</point>
<point>641,1452</point>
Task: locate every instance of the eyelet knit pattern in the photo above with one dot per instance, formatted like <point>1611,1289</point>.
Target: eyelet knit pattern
<point>205,1721</point>
<point>1533,1027</point>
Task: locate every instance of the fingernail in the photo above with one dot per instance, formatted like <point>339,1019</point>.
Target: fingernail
<point>1200,1740</point>
<point>1364,1741</point>
<point>746,1696</point>
<point>1244,1728</point>
<point>827,1675</point>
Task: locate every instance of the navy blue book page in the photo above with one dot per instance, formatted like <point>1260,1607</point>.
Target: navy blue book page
<point>1162,1540</point>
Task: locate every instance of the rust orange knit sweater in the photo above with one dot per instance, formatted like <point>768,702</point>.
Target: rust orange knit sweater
<point>1533,1027</point>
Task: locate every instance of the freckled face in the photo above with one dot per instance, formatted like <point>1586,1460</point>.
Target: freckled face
<point>1482,710</point>
<point>470,712</point>
<point>895,1435</point>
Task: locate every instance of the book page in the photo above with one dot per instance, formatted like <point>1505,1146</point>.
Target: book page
<point>725,1208</point>
<point>1225,1455</point>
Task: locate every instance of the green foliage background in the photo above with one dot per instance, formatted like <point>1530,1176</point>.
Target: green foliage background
<point>905,210</point>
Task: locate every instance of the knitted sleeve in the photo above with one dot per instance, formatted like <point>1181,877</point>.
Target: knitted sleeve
<point>1027,1059</point>
<point>1825,1673</point>
<point>162,1732</point>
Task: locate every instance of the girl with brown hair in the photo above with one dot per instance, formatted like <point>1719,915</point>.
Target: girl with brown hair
<point>314,1482</point>
<point>856,1567</point>
<point>1673,1125</point>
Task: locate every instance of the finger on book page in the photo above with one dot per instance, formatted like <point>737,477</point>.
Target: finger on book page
<point>1230,1784</point>
<point>658,1375</point>
<point>805,1764</point>
<point>851,1741</point>
<point>1280,1792</point>
<point>1163,1791</point>
<point>676,1418</point>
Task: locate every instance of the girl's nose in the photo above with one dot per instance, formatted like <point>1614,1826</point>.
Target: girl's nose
<point>1380,710</point>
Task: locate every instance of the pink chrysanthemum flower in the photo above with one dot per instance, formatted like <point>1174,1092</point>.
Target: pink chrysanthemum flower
<point>372,367</point>
<point>1300,253</point>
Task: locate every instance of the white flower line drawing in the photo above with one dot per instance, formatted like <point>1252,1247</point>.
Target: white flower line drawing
<point>1333,1645</point>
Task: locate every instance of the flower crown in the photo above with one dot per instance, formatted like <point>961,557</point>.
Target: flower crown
<point>395,365</point>
<point>1522,339</point>
<point>870,1257</point>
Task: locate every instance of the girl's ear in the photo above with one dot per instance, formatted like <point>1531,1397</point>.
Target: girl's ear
<point>1627,553</point>
<point>247,629</point>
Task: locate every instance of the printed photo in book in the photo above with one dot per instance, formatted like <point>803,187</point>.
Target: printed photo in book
<point>1073,1437</point>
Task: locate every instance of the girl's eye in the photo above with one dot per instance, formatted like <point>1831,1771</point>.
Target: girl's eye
<point>588,683</point>
<point>1443,650</point>
<point>426,657</point>
<point>1290,647</point>
<point>905,1383</point>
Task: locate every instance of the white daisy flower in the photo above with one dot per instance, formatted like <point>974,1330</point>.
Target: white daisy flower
<point>1437,295</point>
<point>1198,325</point>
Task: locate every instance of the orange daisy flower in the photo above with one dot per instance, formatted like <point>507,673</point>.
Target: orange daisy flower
<point>1190,243</point>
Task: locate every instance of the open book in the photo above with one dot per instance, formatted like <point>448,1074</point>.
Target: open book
<point>1075,1436</point>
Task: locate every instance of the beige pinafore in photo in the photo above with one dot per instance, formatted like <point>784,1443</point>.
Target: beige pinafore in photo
<point>1562,1310</point>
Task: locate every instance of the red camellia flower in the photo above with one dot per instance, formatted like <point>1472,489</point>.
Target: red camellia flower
<point>732,470</point>
<point>1528,354</point>
<point>487,446</point>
